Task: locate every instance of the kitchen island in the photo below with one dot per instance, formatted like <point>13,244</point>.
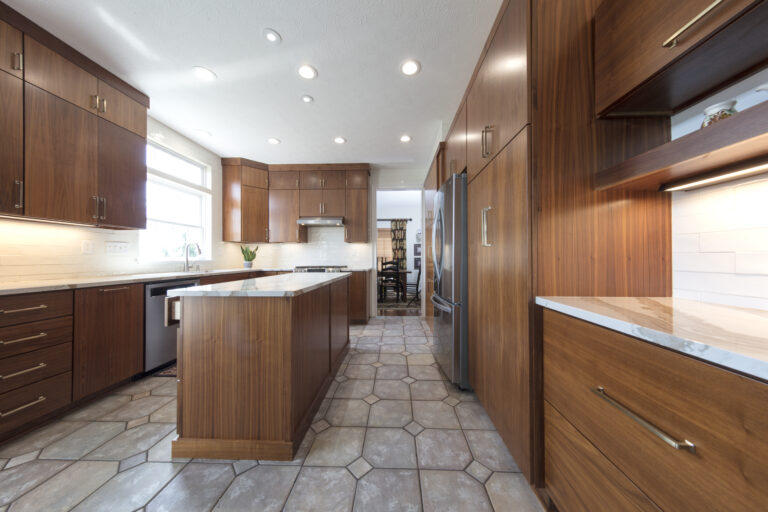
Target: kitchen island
<point>255,359</point>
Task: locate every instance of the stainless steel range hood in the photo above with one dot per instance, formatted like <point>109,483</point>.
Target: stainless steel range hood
<point>320,221</point>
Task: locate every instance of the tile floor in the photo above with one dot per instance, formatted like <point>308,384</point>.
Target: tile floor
<point>391,435</point>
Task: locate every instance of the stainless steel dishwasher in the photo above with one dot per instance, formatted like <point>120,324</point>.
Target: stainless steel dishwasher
<point>159,340</point>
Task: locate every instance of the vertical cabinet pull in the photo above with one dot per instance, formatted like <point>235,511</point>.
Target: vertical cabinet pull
<point>20,204</point>
<point>103,208</point>
<point>103,105</point>
<point>18,61</point>
<point>297,234</point>
<point>672,41</point>
<point>485,147</point>
<point>95,101</point>
<point>96,206</point>
<point>266,234</point>
<point>297,183</point>
<point>484,231</point>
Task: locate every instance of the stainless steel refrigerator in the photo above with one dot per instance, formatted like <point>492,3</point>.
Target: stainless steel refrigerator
<point>449,255</point>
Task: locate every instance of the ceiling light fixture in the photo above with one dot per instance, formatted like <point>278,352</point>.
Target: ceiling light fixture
<point>717,179</point>
<point>204,74</point>
<point>308,72</point>
<point>273,140</point>
<point>339,140</point>
<point>307,98</point>
<point>410,67</point>
<point>272,36</point>
<point>405,138</point>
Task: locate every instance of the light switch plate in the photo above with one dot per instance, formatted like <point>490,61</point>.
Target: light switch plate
<point>116,247</point>
<point>86,247</point>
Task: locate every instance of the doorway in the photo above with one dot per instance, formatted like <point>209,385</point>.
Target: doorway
<point>399,255</point>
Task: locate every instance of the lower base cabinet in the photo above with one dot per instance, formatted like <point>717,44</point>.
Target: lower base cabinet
<point>358,297</point>
<point>109,337</point>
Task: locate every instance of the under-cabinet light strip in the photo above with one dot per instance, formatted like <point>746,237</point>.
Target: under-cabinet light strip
<point>717,179</point>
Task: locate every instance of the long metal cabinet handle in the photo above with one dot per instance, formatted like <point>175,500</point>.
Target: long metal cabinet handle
<point>103,290</point>
<point>266,234</point>
<point>672,41</point>
<point>103,105</point>
<point>96,204</point>
<point>484,231</point>
<point>20,184</point>
<point>653,429</point>
<point>18,61</point>
<point>22,407</point>
<point>95,100</point>
<point>21,310</point>
<point>297,183</point>
<point>22,372</point>
<point>104,208</point>
<point>27,338</point>
<point>482,143</point>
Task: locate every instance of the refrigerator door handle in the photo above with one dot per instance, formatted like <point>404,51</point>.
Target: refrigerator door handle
<point>441,303</point>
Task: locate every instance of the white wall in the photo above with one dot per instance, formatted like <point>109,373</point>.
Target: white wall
<point>325,246</point>
<point>402,204</point>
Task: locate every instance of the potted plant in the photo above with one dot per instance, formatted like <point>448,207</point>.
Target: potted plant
<point>248,255</point>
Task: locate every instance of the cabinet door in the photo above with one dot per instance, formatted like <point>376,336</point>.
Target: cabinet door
<point>283,214</point>
<point>109,334</point>
<point>629,38</point>
<point>358,297</point>
<point>339,319</point>
<point>357,179</point>
<point>61,159</point>
<point>311,180</point>
<point>11,144</point>
<point>311,203</point>
<point>334,201</point>
<point>284,180</point>
<point>500,294</point>
<point>11,50</point>
<point>356,216</point>
<point>253,177</point>
<point>123,111</point>
<point>122,177</point>
<point>456,144</point>
<point>334,179</point>
<point>497,104</point>
<point>255,220</point>
<point>53,73</point>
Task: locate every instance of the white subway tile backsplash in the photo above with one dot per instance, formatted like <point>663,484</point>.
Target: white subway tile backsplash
<point>752,263</point>
<point>738,240</point>
<point>685,243</point>
<point>704,262</point>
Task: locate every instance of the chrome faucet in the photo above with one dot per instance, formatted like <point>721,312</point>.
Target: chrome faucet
<point>186,253</point>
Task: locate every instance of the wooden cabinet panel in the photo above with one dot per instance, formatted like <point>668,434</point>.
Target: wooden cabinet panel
<point>723,414</point>
<point>430,189</point>
<point>310,180</point>
<point>255,214</point>
<point>497,103</point>
<point>11,142</point>
<point>11,50</point>
<point>31,307</point>
<point>26,404</point>
<point>357,179</point>
<point>122,110</point>
<point>61,159</point>
<point>500,293</point>
<point>283,214</point>
<point>339,319</point>
<point>579,477</point>
<point>310,203</point>
<point>109,337</point>
<point>456,144</point>
<point>53,73</point>
<point>253,177</point>
<point>356,216</point>
<point>334,179</point>
<point>284,180</point>
<point>122,177</point>
<point>629,39</point>
<point>24,369</point>
<point>334,202</point>
<point>358,297</point>
<point>18,339</point>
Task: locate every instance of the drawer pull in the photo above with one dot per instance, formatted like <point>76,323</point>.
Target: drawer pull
<point>102,290</point>
<point>677,445</point>
<point>33,308</point>
<point>19,340</point>
<point>22,407</point>
<point>22,372</point>
<point>672,41</point>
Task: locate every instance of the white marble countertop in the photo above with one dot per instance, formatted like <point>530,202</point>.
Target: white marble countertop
<point>731,337</point>
<point>285,285</point>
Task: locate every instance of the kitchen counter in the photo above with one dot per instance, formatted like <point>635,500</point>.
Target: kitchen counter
<point>731,337</point>
<point>285,285</point>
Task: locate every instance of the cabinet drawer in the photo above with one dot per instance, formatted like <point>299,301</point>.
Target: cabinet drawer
<point>723,414</point>
<point>579,477</point>
<point>24,369</point>
<point>18,339</point>
<point>30,402</point>
<point>17,309</point>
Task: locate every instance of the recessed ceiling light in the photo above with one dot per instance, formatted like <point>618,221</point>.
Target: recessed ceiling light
<point>339,140</point>
<point>307,98</point>
<point>273,140</point>
<point>204,133</point>
<point>410,67</point>
<point>204,74</point>
<point>405,138</point>
<point>307,71</point>
<point>272,36</point>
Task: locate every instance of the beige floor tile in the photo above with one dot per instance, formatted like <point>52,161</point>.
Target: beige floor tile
<point>428,390</point>
<point>424,373</point>
<point>185,491</point>
<point>165,414</point>
<point>360,371</point>
<point>264,488</point>
<point>420,359</point>
<point>443,449</point>
<point>354,388</point>
<point>16,481</point>
<point>418,349</point>
<point>137,408</point>
<point>392,349</point>
<point>432,414</point>
<point>392,390</point>
<point>388,490</point>
<point>391,372</point>
<point>83,441</point>
<point>359,467</point>
<point>336,446</point>
<point>39,438</point>
<point>99,408</point>
<point>132,462</point>
<point>243,465</point>
<point>389,448</point>
<point>345,412</point>
<point>472,416</point>
<point>393,340</point>
<point>146,384</point>
<point>161,452</point>
<point>390,413</point>
<point>363,358</point>
<point>131,442</point>
<point>22,459</point>
<point>488,448</point>
<point>453,491</point>
<point>322,489</point>
<point>386,358</point>
<point>510,491</point>
<point>170,388</point>
<point>415,340</point>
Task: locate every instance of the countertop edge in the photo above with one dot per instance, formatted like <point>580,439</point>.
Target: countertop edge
<point>191,292</point>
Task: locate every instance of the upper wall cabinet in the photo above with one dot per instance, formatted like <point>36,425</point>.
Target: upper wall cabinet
<point>497,103</point>
<point>11,50</point>
<point>659,56</point>
<point>357,179</point>
<point>311,180</point>
<point>456,144</point>
<point>118,108</point>
<point>284,180</point>
<point>356,215</point>
<point>245,200</point>
<point>11,144</point>
<point>122,177</point>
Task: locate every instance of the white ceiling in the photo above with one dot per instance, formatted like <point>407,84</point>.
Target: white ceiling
<point>356,45</point>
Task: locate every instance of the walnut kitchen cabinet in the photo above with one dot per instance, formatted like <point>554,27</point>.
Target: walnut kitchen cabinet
<point>284,180</point>
<point>322,202</point>
<point>357,179</point>
<point>11,143</point>
<point>245,200</point>
<point>121,110</point>
<point>455,160</point>
<point>497,103</point>
<point>283,214</point>
<point>358,297</point>
<point>356,215</point>
<point>313,180</point>
<point>430,189</point>
<point>108,337</point>
<point>11,50</point>
<point>122,177</point>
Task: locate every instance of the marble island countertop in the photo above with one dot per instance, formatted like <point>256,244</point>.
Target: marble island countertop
<point>731,337</point>
<point>285,285</point>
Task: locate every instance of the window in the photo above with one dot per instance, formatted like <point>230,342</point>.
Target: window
<point>178,206</point>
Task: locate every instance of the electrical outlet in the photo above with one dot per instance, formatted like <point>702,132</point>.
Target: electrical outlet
<point>116,247</point>
<point>86,247</point>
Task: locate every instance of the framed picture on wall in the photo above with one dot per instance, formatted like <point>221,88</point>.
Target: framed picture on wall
<point>417,250</point>
<point>416,263</point>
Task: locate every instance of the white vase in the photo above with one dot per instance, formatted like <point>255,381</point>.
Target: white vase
<point>248,264</point>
